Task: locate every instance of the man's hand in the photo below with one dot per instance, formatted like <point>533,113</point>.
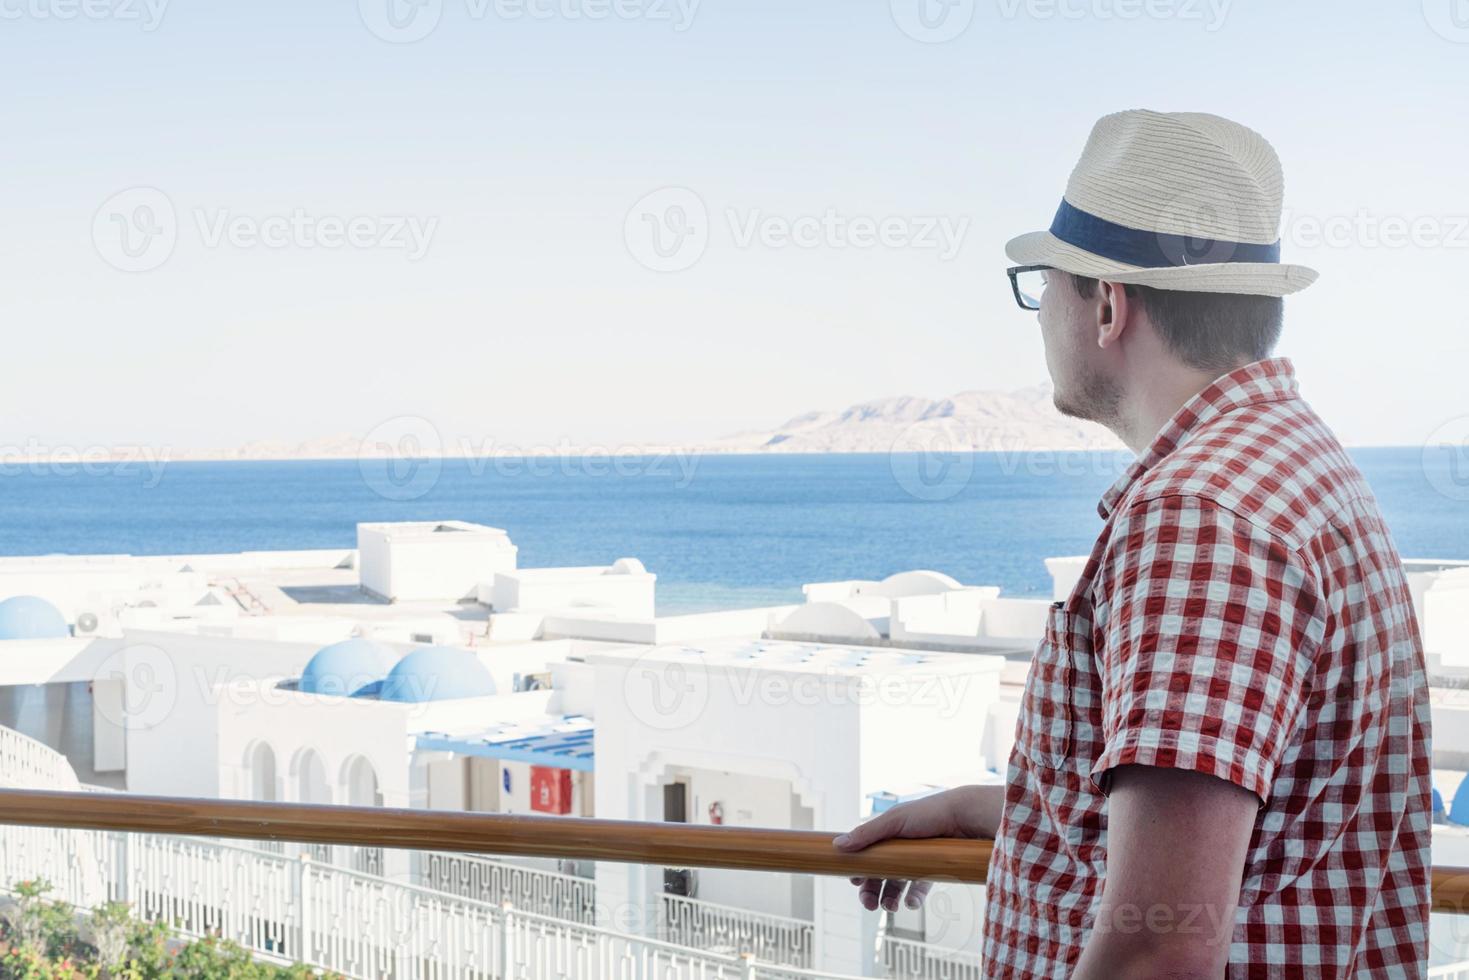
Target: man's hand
<point>968,811</point>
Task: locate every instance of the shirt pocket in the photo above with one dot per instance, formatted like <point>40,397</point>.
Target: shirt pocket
<point>1045,711</point>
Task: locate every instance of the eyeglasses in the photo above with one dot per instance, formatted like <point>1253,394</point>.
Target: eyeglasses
<point>1028,282</point>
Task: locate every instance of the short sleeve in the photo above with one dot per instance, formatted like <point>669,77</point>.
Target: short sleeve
<point>1208,637</point>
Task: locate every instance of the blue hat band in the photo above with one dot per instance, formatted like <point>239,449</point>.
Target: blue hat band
<point>1151,249</point>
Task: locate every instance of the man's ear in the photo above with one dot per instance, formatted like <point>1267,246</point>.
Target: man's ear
<point>1115,310</point>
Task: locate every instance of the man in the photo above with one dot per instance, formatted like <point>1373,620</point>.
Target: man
<point>1221,764</point>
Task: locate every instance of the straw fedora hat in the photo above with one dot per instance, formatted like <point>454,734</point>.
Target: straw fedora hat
<point>1175,200</point>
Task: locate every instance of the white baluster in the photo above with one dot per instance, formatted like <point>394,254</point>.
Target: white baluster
<point>507,941</point>
<point>303,906</point>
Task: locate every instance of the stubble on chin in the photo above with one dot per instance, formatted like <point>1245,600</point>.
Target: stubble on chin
<point>1066,408</point>
<point>1096,401</point>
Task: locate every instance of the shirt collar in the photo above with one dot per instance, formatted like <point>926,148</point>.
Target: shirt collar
<point>1256,383</point>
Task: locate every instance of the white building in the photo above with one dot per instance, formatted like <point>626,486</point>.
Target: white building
<point>431,559</point>
<point>799,736</point>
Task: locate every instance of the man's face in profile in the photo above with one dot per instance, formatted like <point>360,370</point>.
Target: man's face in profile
<point>1081,389</point>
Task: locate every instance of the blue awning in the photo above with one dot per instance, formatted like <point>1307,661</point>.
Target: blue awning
<point>566,744</point>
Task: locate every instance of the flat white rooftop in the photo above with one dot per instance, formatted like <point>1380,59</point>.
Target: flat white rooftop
<point>802,658</point>
<point>408,530</point>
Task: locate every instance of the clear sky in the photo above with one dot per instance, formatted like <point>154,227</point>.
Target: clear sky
<point>517,137</point>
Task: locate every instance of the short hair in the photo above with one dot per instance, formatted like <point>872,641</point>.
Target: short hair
<point>1207,331</point>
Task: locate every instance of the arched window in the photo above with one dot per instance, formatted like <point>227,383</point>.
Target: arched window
<point>360,782</point>
<point>311,784</point>
<point>260,764</point>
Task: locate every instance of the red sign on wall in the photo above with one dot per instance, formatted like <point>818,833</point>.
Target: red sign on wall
<point>550,790</point>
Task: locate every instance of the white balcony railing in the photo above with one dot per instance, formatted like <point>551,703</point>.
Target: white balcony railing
<point>28,764</point>
<point>723,928</point>
<point>924,961</point>
<point>355,924</point>
<point>360,925</point>
<point>497,882</point>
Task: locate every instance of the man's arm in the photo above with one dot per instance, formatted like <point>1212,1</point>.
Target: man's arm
<point>1176,846</point>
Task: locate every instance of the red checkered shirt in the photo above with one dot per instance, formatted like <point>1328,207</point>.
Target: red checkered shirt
<point>1244,614</point>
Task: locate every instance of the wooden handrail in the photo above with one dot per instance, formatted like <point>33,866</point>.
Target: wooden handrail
<point>635,842</point>
<point>1450,890</point>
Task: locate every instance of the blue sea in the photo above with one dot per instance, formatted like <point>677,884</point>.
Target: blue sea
<point>720,531</point>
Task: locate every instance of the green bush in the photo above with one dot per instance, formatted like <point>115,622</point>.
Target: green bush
<point>42,940</point>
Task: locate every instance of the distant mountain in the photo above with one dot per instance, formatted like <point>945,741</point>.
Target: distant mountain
<point>983,421</point>
<point>1023,420</point>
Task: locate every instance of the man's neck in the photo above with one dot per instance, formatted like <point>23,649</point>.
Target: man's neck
<point>1151,401</point>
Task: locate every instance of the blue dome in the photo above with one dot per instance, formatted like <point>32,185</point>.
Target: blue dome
<point>29,617</point>
<point>345,668</point>
<point>1459,808</point>
<point>437,674</point>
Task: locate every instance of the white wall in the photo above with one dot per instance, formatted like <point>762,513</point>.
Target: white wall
<point>511,663</point>
<point>413,561</point>
<point>575,685</point>
<point>944,612</point>
<point>845,622</point>
<point>991,624</point>
<point>447,785</point>
<point>293,724</point>
<point>931,732</point>
<point>53,661</point>
<point>953,917</point>
<point>999,729</point>
<point>1445,618</point>
<point>174,685</point>
<point>747,801</point>
<point>618,592</point>
<point>1451,730</point>
<point>1015,619</point>
<point>666,629</point>
<point>1065,573</point>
